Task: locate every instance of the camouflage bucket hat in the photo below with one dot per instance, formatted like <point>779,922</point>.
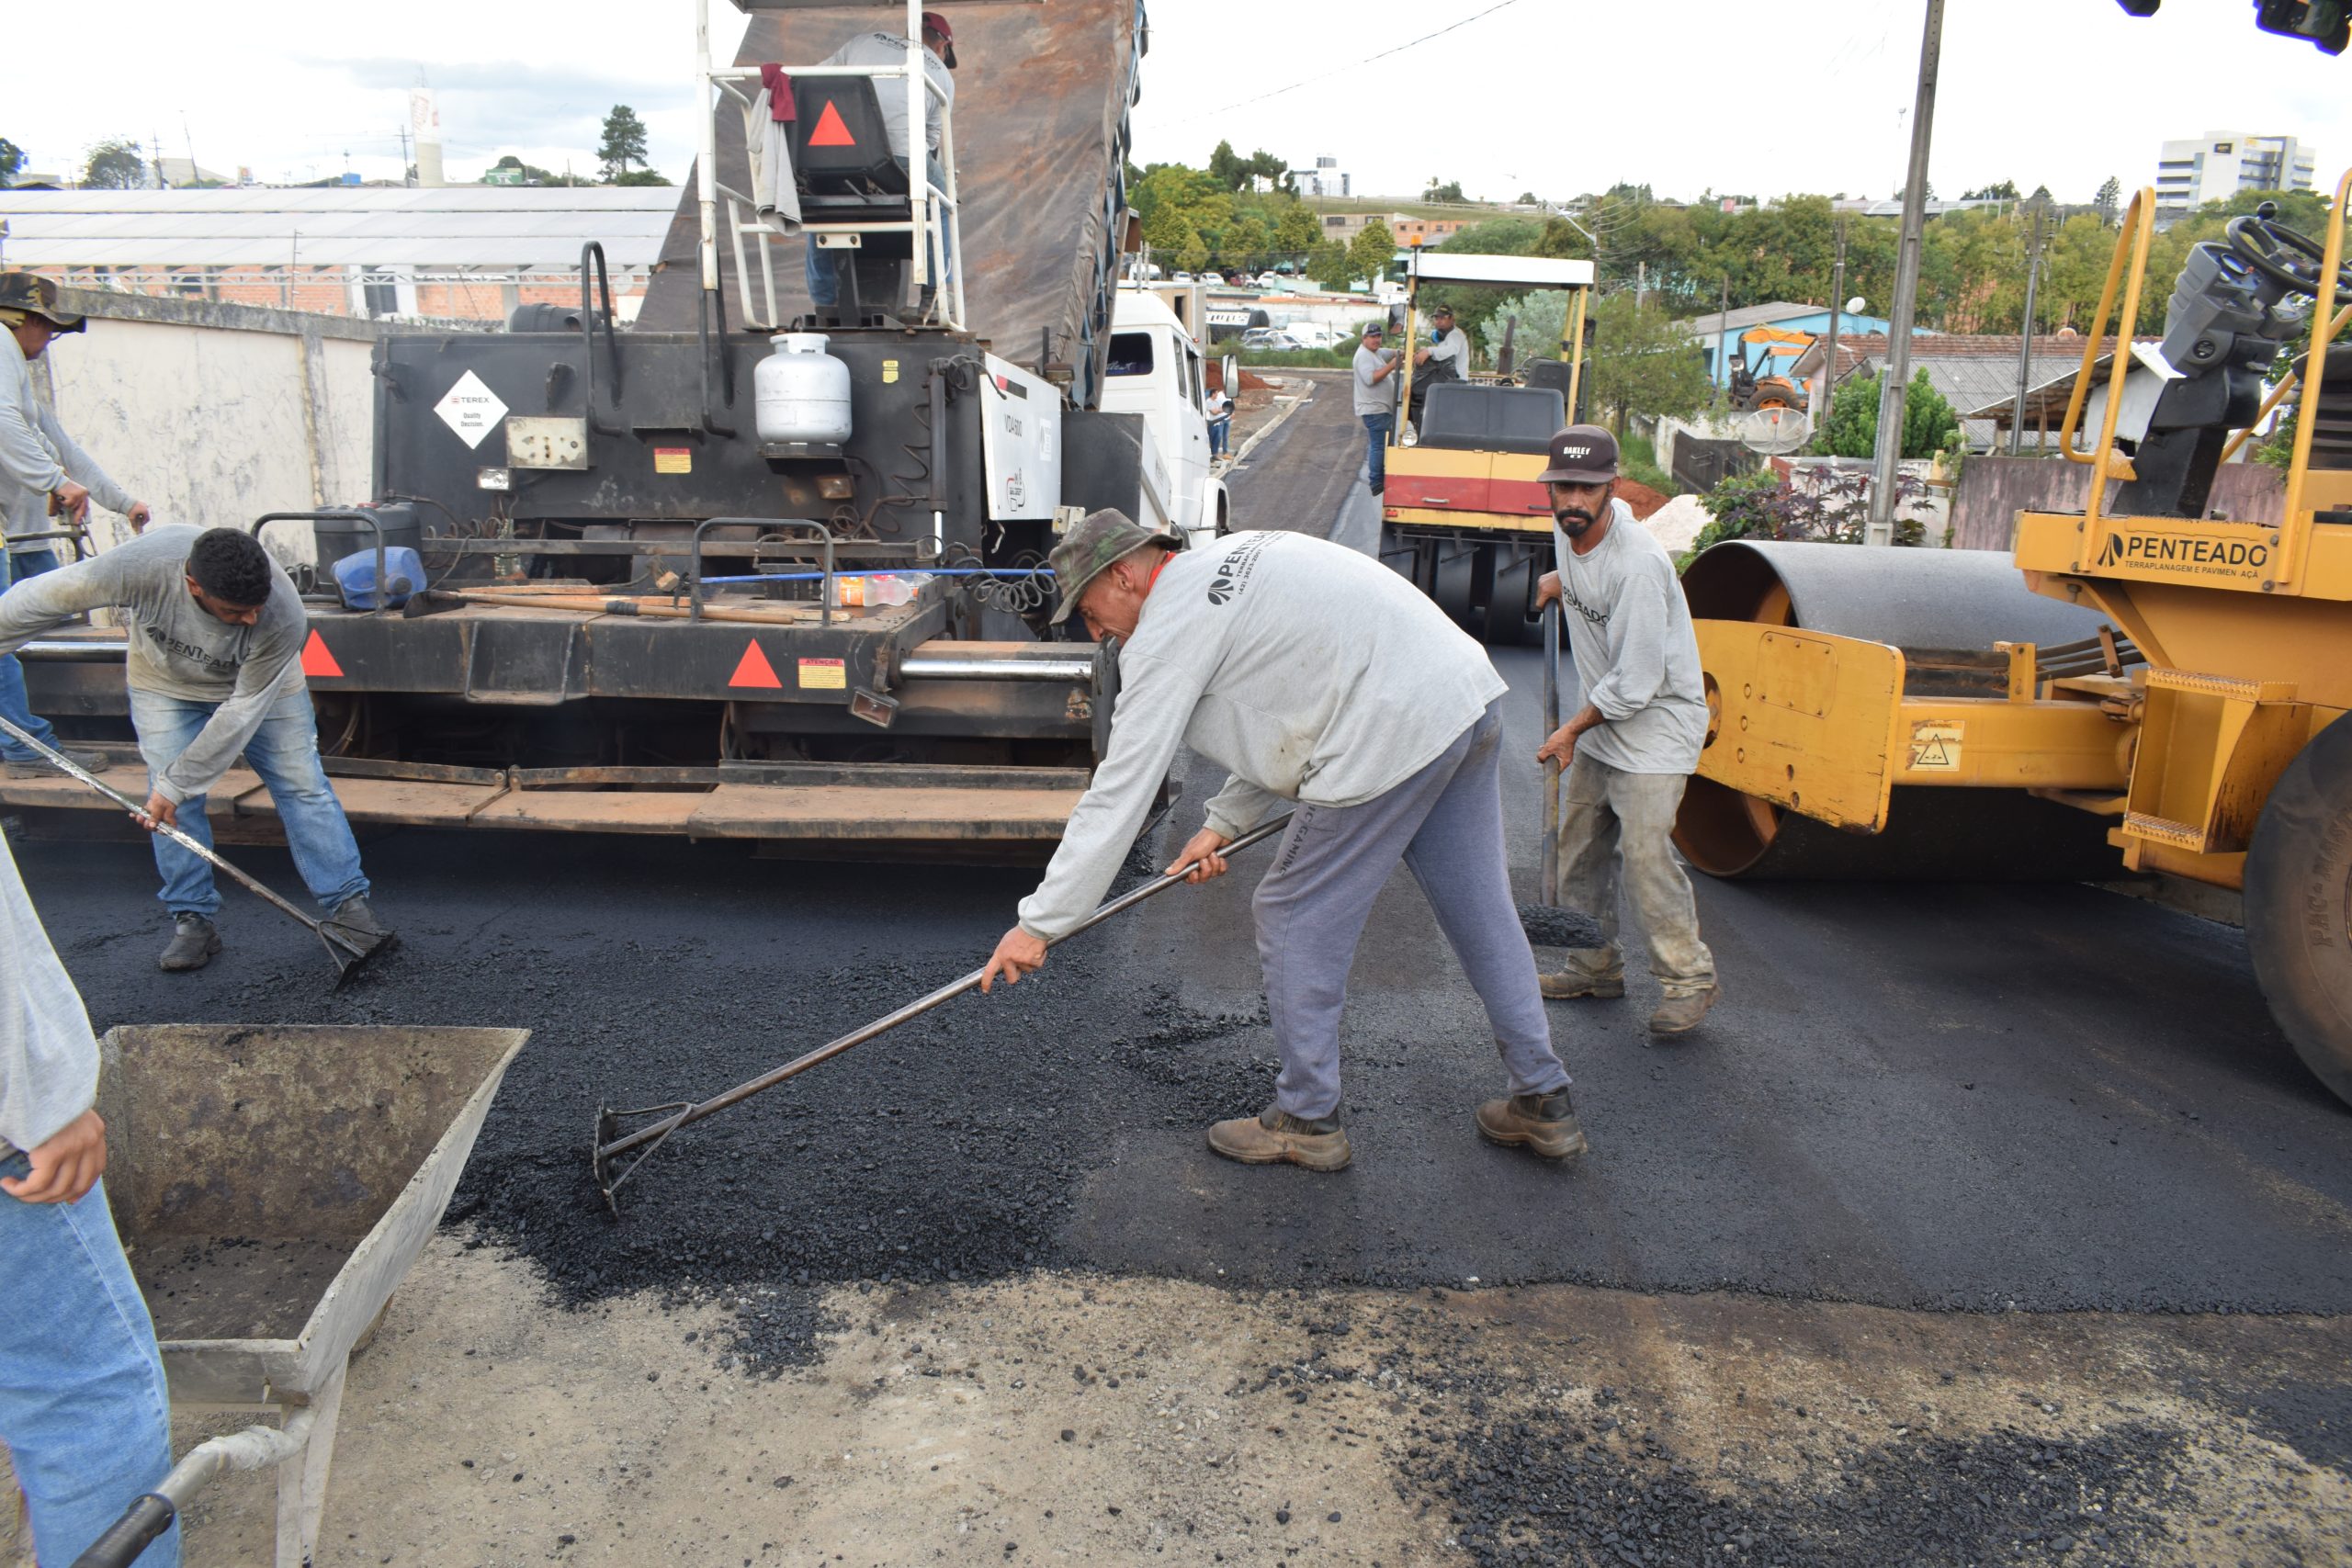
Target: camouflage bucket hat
<point>1092,542</point>
<point>25,294</point>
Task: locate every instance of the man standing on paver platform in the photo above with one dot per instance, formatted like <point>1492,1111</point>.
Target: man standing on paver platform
<point>1633,746</point>
<point>1375,379</point>
<point>1313,674</point>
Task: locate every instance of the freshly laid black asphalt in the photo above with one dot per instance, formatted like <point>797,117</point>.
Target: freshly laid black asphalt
<point>1944,1096</point>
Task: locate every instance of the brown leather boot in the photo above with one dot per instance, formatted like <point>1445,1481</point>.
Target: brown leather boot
<point>1274,1135</point>
<point>1544,1123</point>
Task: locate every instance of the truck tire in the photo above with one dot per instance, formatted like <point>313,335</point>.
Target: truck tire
<point>2298,905</point>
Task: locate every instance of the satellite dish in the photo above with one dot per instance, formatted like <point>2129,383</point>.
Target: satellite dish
<point>1854,306</point>
<point>1775,431</point>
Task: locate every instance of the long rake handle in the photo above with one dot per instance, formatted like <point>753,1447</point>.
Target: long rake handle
<point>656,1130</point>
<point>138,810</point>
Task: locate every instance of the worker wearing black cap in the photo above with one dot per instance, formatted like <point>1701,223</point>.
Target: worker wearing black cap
<point>1628,751</point>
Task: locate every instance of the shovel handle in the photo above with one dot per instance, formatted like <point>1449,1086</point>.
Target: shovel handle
<point>60,761</point>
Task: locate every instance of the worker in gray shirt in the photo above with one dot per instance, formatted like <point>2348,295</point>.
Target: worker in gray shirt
<point>215,635</point>
<point>84,1411</point>
<point>1375,390</point>
<point>47,483</point>
<point>821,268</point>
<point>1629,751</point>
<point>1315,675</point>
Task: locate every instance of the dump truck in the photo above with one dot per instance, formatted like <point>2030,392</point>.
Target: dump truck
<point>1462,513</point>
<point>747,567</point>
<point>2142,687</point>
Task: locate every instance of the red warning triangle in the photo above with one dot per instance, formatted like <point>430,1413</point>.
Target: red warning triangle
<point>317,661</point>
<point>830,132</point>
<point>755,668</point>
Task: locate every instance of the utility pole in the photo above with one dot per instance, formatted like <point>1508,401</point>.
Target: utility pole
<point>407,164</point>
<point>2025,342</point>
<point>1880,530</point>
<point>1829,360</point>
<point>1641,283</point>
<point>156,145</point>
<point>1722,335</point>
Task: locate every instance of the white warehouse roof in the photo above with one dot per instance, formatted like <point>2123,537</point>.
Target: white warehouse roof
<point>506,226</point>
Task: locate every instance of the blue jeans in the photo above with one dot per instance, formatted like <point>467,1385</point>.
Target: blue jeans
<point>14,705</point>
<point>822,269</point>
<point>1219,429</point>
<point>1376,427</point>
<point>284,752</point>
<point>83,1405</point>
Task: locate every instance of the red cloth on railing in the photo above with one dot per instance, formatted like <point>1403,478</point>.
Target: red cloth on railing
<point>779,81</point>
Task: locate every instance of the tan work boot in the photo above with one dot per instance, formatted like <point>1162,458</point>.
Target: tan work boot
<point>1544,1123</point>
<point>1570,985</point>
<point>1274,1135</point>
<point>1680,1015</point>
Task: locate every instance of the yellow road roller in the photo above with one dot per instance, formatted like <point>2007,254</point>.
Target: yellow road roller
<point>2144,687</point>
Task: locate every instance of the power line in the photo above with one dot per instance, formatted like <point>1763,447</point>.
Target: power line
<point>1367,60</point>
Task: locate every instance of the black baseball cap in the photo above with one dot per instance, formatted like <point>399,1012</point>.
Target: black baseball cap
<point>1581,455</point>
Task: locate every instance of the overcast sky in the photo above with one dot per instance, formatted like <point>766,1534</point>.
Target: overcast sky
<point>1558,97</point>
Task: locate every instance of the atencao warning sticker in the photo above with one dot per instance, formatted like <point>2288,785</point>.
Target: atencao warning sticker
<point>824,674</point>
<point>1935,745</point>
<point>673,460</point>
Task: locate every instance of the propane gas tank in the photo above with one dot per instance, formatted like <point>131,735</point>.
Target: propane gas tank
<point>802,392</point>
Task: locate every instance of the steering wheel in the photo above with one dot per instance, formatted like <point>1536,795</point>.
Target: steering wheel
<point>2263,243</point>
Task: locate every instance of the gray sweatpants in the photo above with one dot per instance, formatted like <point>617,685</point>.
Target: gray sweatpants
<point>1446,823</point>
<point>1616,826</point>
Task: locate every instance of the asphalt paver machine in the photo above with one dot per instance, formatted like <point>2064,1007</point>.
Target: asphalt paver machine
<point>2145,687</point>
<point>746,567</point>
<point>1462,512</point>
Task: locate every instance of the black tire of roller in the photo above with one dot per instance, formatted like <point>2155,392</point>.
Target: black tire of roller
<point>2298,905</point>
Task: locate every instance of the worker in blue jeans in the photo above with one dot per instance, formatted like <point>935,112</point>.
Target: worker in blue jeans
<point>84,1409</point>
<point>1375,401</point>
<point>214,669</point>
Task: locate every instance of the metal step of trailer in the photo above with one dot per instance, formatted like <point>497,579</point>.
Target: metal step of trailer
<point>800,803</point>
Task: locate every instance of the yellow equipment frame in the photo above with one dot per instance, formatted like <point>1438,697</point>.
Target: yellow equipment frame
<point>2246,631</point>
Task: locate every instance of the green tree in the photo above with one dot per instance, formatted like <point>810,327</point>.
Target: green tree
<point>1233,172</point>
<point>1329,266</point>
<point>1371,252</point>
<point>1851,430</point>
<point>2007,190</point>
<point>1194,256</point>
<point>624,143</point>
<point>1529,199</point>
<point>1443,190</point>
<point>114,164</point>
<point>12,161</point>
<point>2109,200</point>
<point>641,177</point>
<point>1296,232</point>
<point>1642,362</point>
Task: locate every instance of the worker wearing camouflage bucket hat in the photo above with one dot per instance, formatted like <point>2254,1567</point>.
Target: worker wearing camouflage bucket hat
<point>1313,675</point>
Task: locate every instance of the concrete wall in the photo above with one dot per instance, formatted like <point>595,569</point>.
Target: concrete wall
<point>1993,490</point>
<point>213,414</point>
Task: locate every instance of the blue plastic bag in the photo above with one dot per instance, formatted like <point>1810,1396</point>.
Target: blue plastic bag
<point>355,577</point>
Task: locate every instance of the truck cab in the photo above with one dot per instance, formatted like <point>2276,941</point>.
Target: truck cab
<point>1156,370</point>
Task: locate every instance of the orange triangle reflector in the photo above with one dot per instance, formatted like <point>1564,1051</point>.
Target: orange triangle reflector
<point>317,661</point>
<point>754,669</point>
<point>830,131</point>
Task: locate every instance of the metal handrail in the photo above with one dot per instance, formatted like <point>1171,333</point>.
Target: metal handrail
<point>2106,463</point>
<point>693,568</point>
<point>2295,536</point>
<point>347,513</point>
<point>588,333</point>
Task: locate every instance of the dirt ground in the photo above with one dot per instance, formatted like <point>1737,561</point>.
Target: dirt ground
<point>1071,1418</point>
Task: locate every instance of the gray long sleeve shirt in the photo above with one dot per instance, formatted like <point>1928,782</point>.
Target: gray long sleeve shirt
<point>890,49</point>
<point>177,647</point>
<point>48,1059</point>
<point>37,455</point>
<point>1636,656</point>
<point>1309,671</point>
<point>1374,393</point>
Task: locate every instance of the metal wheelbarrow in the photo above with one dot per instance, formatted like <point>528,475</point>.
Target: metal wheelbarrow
<point>272,1184</point>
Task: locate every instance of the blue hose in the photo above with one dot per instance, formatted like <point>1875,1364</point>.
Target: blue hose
<point>889,572</point>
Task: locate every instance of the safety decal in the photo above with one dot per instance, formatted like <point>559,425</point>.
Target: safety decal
<point>753,669</point>
<point>1935,745</point>
<point>824,674</point>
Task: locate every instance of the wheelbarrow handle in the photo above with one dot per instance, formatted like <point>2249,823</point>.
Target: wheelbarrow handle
<point>129,1535</point>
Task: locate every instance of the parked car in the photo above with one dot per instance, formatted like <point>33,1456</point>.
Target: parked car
<point>1273,339</point>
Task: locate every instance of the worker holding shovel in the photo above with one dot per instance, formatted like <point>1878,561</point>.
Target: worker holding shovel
<point>1314,674</point>
<point>214,668</point>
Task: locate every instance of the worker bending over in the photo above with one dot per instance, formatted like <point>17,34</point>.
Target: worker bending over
<point>84,1410</point>
<point>45,482</point>
<point>1313,674</point>
<point>214,669</point>
<point>1631,749</point>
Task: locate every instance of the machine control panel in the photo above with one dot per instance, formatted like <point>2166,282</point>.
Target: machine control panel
<point>546,442</point>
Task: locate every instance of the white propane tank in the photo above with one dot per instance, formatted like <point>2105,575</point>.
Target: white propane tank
<point>802,392</point>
